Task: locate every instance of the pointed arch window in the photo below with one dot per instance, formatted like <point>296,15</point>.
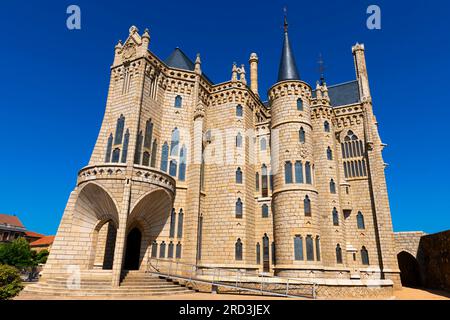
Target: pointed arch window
<point>178,251</point>
<point>298,172</point>
<point>239,176</point>
<point>172,223</point>
<point>265,211</point>
<point>148,134</point>
<point>308,173</point>
<point>109,149</point>
<point>162,250</point>
<point>119,129</point>
<point>263,144</point>
<point>154,249</point>
<point>170,250</point>
<point>137,152</point>
<point>302,135</point>
<point>307,206</point>
<point>164,157</point>
<point>364,256</point>
<point>332,186</point>
<point>257,181</point>
<point>317,248</point>
<point>298,248</point>
<point>338,254</point>
<point>178,102</point>
<point>239,111</point>
<point>264,182</point>
<point>335,217</point>
<point>299,104</point>
<point>154,149</point>
<point>182,170</point>
<point>360,220</point>
<point>175,140</point>
<point>146,158</point>
<point>238,250</point>
<point>309,248</point>
<point>173,168</point>
<point>180,224</point>
<point>116,155</point>
<point>288,172</point>
<point>258,253</point>
<point>239,140</point>
<point>326,126</point>
<point>329,154</point>
<point>238,209</point>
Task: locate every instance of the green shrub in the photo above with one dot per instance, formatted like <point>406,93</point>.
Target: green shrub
<point>16,253</point>
<point>10,282</point>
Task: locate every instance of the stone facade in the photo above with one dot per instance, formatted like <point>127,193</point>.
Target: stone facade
<point>234,207</point>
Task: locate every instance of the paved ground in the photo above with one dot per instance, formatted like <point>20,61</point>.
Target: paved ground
<point>404,294</point>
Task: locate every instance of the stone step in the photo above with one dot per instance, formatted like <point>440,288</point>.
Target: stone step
<point>136,295</point>
<point>102,291</point>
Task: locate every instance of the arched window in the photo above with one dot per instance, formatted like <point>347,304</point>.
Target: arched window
<point>109,149</point>
<point>238,209</point>
<point>172,224</point>
<point>308,173</point>
<point>335,217</point>
<point>299,104</point>
<point>332,186</point>
<point>258,253</point>
<point>119,129</point>
<point>170,250</point>
<point>238,250</point>
<point>298,248</point>
<point>146,159</point>
<point>288,172</point>
<point>182,170</point>
<point>164,156</point>
<point>307,206</point>
<point>178,102</point>
<point>298,172</point>
<point>137,151</point>
<point>309,248</point>
<point>148,134</point>
<point>239,176</point>
<point>162,250</point>
<point>360,220</point>
<point>265,211</point>
<point>178,251</point>
<point>239,140</point>
<point>326,126</point>
<point>180,224</point>
<point>329,154</point>
<point>364,256</point>
<point>239,111</point>
<point>116,155</point>
<point>257,181</point>
<point>302,135</point>
<point>154,150</point>
<point>173,168</point>
<point>318,248</point>
<point>338,254</point>
<point>263,144</point>
<point>174,142</point>
<point>154,249</point>
<point>264,184</point>
<point>126,141</point>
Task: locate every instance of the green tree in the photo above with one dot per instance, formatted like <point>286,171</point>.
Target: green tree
<point>16,253</point>
<point>41,257</point>
<point>10,282</point>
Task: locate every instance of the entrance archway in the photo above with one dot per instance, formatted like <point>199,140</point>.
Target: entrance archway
<point>133,250</point>
<point>409,270</point>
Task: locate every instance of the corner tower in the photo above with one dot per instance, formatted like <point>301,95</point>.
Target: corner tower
<point>294,202</point>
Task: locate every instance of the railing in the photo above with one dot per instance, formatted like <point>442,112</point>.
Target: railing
<point>231,280</point>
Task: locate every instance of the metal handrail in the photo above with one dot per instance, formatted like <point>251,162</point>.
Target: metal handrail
<point>237,276</point>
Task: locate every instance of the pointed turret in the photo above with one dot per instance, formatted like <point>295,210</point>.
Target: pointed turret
<point>288,68</point>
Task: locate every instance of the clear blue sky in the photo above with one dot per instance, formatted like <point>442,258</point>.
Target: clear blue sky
<point>54,85</point>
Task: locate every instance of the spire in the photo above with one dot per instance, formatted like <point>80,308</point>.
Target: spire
<point>288,68</point>
<point>321,69</point>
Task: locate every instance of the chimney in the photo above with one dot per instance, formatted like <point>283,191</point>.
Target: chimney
<point>254,73</point>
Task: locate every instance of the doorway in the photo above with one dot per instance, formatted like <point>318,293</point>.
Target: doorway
<point>133,250</point>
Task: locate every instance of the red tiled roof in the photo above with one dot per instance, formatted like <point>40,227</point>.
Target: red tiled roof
<point>33,234</point>
<point>44,241</point>
<point>11,220</point>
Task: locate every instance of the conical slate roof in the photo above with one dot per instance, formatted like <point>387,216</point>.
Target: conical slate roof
<point>288,68</point>
<point>179,60</point>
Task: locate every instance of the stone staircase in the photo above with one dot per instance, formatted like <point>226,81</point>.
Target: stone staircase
<point>134,284</point>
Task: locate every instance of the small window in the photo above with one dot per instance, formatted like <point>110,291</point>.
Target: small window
<point>307,206</point>
<point>154,150</point>
<point>126,141</point>
<point>258,253</point>
<point>299,104</point>
<point>174,142</point>
<point>298,248</point>
<point>173,168</point>
<point>288,172</point>
<point>170,250</point>
<point>180,224</point>
<point>239,140</point>
<point>148,134</point>
<point>318,248</point>
<point>146,159</point>
<point>308,173</point>
<point>364,256</point>
<point>162,250</point>
<point>119,129</point>
<point>154,249</point>
<point>326,126</point>
<point>109,149</point>
<point>265,211</point>
<point>182,170</point>
<point>302,135</point>
<point>329,154</point>
<point>263,144</point>
<point>172,224</point>
<point>116,155</point>
<point>264,182</point>
<point>239,111</point>
<point>164,156</point>
<point>332,187</point>
<point>360,221</point>
<point>338,254</point>
<point>238,250</point>
<point>238,209</point>
<point>335,217</point>
<point>257,181</point>
<point>178,250</point>
<point>298,172</point>
<point>239,176</point>
<point>178,102</point>
<point>309,248</point>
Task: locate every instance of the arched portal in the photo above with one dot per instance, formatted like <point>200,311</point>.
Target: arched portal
<point>133,250</point>
<point>104,245</point>
<point>409,270</point>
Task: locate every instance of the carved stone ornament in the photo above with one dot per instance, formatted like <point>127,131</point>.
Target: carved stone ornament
<point>128,51</point>
<point>303,152</point>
